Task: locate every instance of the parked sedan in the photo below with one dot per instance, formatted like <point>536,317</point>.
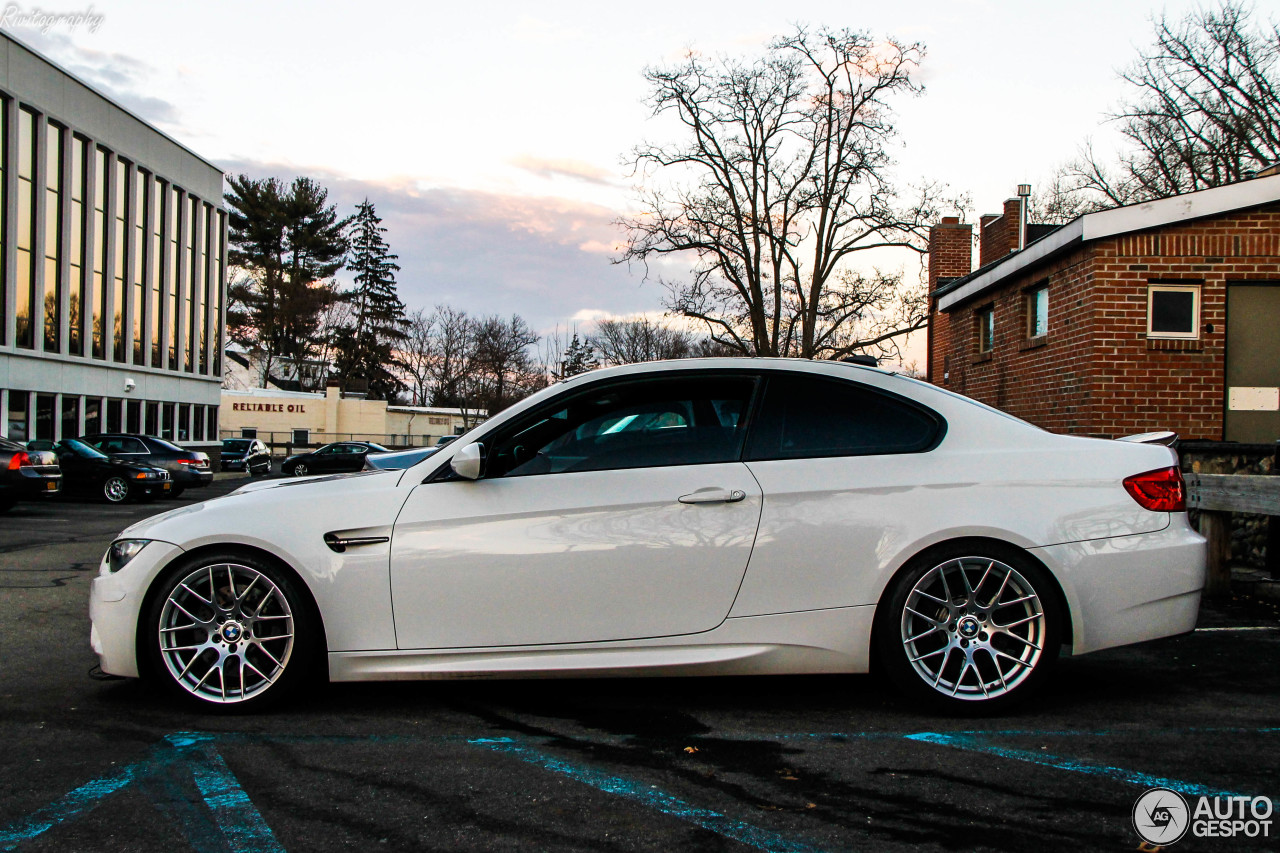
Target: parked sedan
<point>702,517</point>
<point>187,468</point>
<point>89,471</point>
<point>337,458</point>
<point>245,454</point>
<point>397,460</point>
<point>26,474</point>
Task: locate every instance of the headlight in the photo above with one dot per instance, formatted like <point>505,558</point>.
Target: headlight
<point>122,551</point>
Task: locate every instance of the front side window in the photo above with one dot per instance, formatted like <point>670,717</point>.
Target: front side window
<point>1038,311</point>
<point>986,321</point>
<point>813,416</point>
<point>645,423</point>
<point>1173,311</point>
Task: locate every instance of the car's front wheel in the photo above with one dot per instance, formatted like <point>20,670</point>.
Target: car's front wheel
<point>300,470</point>
<point>970,628</point>
<point>115,490</point>
<point>231,632</point>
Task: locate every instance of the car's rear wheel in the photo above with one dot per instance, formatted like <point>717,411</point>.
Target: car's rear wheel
<point>971,628</point>
<point>115,490</point>
<point>231,632</point>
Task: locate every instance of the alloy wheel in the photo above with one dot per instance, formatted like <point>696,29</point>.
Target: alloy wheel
<point>973,628</point>
<point>300,470</point>
<point>115,489</point>
<point>226,633</point>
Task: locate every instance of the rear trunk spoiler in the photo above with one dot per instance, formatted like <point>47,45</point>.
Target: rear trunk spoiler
<point>1164,437</point>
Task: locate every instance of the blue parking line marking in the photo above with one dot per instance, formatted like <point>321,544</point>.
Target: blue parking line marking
<point>239,820</point>
<point>978,742</point>
<point>650,796</point>
<point>68,807</point>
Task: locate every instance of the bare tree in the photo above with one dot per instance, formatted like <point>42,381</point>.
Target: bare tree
<point>1205,110</point>
<point>782,179</point>
<point>632,341</point>
<point>416,356</point>
<point>504,371</point>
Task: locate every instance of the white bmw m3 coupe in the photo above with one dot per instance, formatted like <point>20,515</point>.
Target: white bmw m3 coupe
<point>701,517</point>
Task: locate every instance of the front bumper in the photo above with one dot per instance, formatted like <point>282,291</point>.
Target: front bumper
<point>115,602</point>
<point>1129,589</point>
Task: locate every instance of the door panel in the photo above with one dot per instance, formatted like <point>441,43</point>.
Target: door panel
<point>1253,363</point>
<point>571,557</point>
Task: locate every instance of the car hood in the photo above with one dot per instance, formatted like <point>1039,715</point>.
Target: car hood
<point>127,464</point>
<point>274,509</point>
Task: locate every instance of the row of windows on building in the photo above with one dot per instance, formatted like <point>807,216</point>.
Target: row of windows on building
<point>111,261</point>
<point>1173,312</point>
<point>30,415</point>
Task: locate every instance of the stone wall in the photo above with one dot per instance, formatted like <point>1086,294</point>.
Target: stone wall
<point>1248,531</point>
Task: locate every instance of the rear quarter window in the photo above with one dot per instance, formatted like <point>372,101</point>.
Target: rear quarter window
<point>813,416</point>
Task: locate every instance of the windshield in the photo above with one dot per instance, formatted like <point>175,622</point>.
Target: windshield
<point>79,448</point>
<point>167,445</point>
<point>236,444</point>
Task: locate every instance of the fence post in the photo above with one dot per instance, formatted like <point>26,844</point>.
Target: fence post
<point>1216,527</point>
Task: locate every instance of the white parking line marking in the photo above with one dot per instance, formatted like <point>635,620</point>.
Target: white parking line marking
<point>1242,628</point>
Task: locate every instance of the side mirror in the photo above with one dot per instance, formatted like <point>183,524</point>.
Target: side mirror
<point>467,461</point>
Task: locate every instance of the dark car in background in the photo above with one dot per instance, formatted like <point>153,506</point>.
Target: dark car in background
<point>88,471</point>
<point>187,468</point>
<point>336,458</point>
<point>26,474</point>
<point>397,460</point>
<point>246,454</point>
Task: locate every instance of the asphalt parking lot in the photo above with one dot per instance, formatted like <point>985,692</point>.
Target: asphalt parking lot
<point>786,764</point>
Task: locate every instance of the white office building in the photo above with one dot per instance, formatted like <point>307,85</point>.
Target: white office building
<point>112,254</point>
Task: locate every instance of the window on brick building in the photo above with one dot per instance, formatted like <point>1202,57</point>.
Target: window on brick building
<point>1173,311</point>
<point>1037,304</point>
<point>986,322</point>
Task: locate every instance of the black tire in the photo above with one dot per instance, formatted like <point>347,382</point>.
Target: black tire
<point>115,490</point>
<point>943,638</point>
<point>7,504</point>
<point>276,667</point>
<point>177,491</point>
<point>299,470</point>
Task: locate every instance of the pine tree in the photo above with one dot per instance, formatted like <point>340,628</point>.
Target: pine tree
<point>366,345</point>
<point>578,358</point>
<point>287,240</point>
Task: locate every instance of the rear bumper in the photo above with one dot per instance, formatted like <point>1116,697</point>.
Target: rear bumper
<point>1128,589</point>
<point>192,479</point>
<point>30,485</point>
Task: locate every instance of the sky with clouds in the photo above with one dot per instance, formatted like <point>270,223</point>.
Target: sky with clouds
<point>491,136</point>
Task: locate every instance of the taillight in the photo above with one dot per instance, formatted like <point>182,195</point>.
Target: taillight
<point>188,461</point>
<point>21,459</point>
<point>1158,491</point>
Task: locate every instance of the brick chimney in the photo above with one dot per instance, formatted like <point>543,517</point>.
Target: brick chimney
<point>999,234</point>
<point>950,256</point>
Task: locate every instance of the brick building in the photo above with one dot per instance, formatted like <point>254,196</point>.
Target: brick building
<point>1163,315</point>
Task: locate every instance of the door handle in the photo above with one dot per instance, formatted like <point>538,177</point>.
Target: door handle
<point>713,495</point>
